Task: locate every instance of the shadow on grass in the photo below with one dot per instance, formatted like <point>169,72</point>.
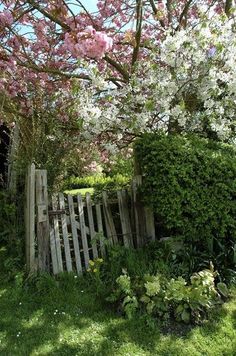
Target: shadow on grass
<point>28,323</point>
<point>72,323</point>
<point>67,319</point>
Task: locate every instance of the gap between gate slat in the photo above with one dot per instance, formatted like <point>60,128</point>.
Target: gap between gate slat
<point>57,235</point>
<point>74,235</point>
<point>65,233</point>
<point>100,228</point>
<point>91,225</point>
<point>55,268</point>
<point>83,230</point>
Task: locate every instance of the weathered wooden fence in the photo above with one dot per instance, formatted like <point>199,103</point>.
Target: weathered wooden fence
<point>64,232</point>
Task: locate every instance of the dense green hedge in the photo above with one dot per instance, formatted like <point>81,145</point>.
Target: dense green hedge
<point>191,184</point>
<point>98,182</point>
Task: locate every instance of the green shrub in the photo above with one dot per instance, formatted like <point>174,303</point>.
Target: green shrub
<point>190,182</point>
<point>99,183</point>
<point>7,218</point>
<point>11,232</point>
<point>164,298</point>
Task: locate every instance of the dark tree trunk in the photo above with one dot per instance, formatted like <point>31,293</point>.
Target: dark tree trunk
<point>4,146</point>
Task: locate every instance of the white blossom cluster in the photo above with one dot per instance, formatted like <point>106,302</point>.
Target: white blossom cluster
<point>187,83</point>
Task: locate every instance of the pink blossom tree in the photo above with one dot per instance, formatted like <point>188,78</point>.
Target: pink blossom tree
<point>51,52</point>
<point>45,40</point>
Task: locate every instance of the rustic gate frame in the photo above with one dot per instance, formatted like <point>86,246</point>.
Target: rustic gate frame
<point>64,225</point>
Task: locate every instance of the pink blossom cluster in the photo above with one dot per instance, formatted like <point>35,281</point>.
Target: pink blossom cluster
<point>6,18</point>
<point>89,43</point>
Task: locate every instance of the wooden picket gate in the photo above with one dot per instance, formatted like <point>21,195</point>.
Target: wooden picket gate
<point>64,232</point>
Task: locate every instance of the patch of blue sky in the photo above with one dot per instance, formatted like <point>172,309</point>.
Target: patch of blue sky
<point>90,5</point>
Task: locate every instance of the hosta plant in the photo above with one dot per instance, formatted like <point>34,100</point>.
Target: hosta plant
<point>156,296</point>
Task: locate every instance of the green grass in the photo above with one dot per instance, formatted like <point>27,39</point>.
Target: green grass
<point>82,191</point>
<point>65,318</point>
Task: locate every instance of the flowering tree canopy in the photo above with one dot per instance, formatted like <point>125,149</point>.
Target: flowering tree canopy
<point>130,66</point>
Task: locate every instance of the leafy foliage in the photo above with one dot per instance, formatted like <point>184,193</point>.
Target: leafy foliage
<point>7,216</point>
<point>99,183</point>
<point>120,163</point>
<point>11,232</point>
<point>190,183</point>
<point>160,297</point>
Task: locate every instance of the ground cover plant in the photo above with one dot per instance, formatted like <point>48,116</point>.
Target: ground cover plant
<point>63,316</point>
<point>156,296</point>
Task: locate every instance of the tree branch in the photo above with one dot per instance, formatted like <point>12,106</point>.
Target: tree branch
<point>49,16</point>
<point>54,19</point>
<point>184,13</point>
<point>154,9</point>
<point>169,10</point>
<point>139,14</point>
<point>118,67</point>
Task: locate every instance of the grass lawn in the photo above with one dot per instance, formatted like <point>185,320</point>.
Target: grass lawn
<point>69,320</point>
<point>82,191</point>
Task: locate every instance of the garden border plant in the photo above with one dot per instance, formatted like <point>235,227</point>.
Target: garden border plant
<point>175,298</point>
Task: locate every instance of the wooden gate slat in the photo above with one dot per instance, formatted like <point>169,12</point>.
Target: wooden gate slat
<point>30,218</point>
<point>110,226</point>
<point>57,234</point>
<point>77,224</point>
<point>74,234</point>
<point>91,225</point>
<point>83,230</point>
<point>100,228</point>
<point>43,234</point>
<point>124,217</point>
<point>55,268</point>
<point>65,233</point>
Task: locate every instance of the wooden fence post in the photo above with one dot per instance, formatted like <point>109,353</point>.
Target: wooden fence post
<point>125,218</point>
<point>30,219</point>
<point>43,235</point>
<point>150,224</point>
<point>143,215</point>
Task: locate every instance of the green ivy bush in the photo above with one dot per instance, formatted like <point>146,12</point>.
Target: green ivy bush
<point>191,184</point>
<point>163,298</point>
